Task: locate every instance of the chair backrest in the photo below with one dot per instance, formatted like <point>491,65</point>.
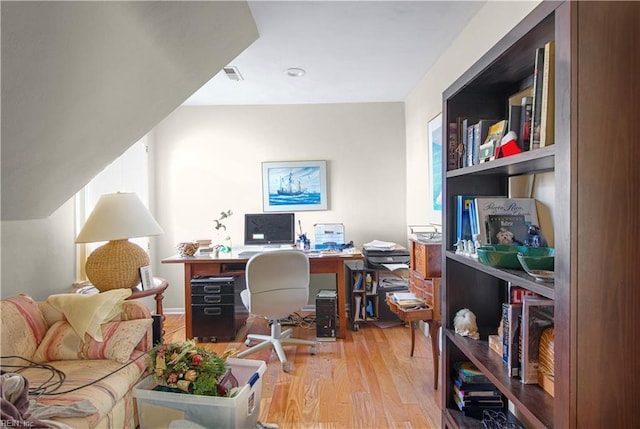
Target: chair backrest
<point>278,283</point>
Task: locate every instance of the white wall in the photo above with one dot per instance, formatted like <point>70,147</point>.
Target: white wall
<point>208,159</point>
<point>38,256</point>
<point>425,101</point>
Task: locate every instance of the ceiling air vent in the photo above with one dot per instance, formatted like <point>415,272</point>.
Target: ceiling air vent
<point>233,73</point>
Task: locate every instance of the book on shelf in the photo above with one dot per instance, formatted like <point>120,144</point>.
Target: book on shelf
<point>480,133</point>
<point>507,229</point>
<point>547,128</point>
<point>470,393</point>
<point>463,217</point>
<point>467,141</point>
<point>357,284</point>
<point>475,386</point>
<point>517,294</point>
<point>524,136</point>
<point>467,372</point>
<point>517,116</point>
<point>485,206</point>
<point>537,98</point>
<point>537,315</point>
<point>476,408</point>
<point>510,337</point>
<point>452,148</point>
<point>492,142</point>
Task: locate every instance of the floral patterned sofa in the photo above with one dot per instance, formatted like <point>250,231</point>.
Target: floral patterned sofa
<point>105,371</point>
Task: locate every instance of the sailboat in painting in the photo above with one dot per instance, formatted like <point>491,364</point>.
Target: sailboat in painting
<point>289,187</point>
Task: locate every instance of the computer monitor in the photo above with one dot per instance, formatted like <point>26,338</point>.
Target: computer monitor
<point>269,228</point>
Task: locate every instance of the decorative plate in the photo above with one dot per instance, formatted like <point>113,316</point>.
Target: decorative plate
<point>541,275</point>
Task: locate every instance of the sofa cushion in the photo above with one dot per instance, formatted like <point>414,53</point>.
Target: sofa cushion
<point>22,327</point>
<point>119,341</point>
<point>85,313</point>
<point>108,382</point>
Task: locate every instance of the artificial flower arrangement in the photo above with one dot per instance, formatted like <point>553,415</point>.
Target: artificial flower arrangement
<point>184,367</point>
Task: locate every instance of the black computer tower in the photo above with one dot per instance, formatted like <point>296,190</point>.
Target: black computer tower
<point>326,315</point>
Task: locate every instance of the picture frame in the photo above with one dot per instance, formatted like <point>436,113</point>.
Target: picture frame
<point>291,186</point>
<point>146,278</point>
<point>434,134</point>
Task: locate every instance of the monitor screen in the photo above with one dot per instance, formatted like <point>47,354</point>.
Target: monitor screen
<point>269,228</point>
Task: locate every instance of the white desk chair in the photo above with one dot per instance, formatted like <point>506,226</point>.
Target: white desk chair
<point>277,285</point>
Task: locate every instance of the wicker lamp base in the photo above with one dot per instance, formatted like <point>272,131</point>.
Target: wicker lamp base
<point>116,265</point>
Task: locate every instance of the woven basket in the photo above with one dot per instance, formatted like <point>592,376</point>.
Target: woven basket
<point>546,353</point>
<point>187,248</point>
<point>116,265</point>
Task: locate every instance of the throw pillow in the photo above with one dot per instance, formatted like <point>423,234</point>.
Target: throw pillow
<point>85,313</point>
<point>22,327</point>
<point>120,339</point>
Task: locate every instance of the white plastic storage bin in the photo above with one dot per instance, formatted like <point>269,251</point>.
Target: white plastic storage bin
<point>156,410</point>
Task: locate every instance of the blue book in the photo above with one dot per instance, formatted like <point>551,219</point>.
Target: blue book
<point>463,219</point>
<point>473,218</point>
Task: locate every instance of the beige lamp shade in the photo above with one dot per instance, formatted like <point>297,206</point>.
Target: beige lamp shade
<point>116,218</point>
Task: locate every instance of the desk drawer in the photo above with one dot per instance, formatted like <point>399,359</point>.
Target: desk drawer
<point>426,259</point>
<point>427,289</point>
<point>212,289</point>
<point>213,299</point>
<point>213,322</point>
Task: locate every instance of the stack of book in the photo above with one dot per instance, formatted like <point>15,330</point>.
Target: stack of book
<point>473,393</point>
<point>407,300</point>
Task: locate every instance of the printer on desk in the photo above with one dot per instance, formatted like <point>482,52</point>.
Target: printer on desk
<point>375,258</point>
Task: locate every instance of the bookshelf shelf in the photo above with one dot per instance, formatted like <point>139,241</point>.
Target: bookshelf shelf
<point>591,177</point>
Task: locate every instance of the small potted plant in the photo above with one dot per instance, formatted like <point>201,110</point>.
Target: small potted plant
<point>225,245</point>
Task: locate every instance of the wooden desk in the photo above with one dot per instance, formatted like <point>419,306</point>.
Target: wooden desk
<point>230,265</point>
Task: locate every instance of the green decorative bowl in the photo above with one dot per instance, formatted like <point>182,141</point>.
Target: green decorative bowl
<point>537,259</point>
<point>501,255</point>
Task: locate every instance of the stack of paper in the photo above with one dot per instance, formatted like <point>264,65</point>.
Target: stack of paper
<point>406,299</point>
<point>379,245</point>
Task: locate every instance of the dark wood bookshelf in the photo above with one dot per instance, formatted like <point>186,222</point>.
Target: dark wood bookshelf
<point>595,183</point>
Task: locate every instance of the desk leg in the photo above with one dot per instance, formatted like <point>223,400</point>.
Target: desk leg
<point>433,333</point>
<point>187,301</point>
<point>413,336</point>
<point>342,296</point>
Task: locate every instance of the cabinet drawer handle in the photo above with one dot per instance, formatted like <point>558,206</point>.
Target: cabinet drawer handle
<point>213,299</point>
<point>212,289</point>
<point>213,311</point>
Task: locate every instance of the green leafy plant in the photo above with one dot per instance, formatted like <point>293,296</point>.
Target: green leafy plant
<point>186,368</point>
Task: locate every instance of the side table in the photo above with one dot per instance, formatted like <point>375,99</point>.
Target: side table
<point>414,315</point>
<point>158,288</point>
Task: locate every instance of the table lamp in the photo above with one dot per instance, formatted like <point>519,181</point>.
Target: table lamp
<point>116,218</point>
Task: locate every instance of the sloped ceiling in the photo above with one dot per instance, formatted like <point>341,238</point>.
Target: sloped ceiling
<point>83,81</point>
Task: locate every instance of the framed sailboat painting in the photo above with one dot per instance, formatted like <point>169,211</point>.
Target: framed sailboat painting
<point>294,186</point>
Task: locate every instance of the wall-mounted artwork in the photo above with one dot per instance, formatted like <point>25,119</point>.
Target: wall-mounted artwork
<point>435,152</point>
<point>294,186</point>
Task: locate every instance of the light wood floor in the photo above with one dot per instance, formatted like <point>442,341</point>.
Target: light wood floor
<point>365,381</point>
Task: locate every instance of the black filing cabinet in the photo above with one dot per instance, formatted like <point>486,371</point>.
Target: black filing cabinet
<point>216,308</point>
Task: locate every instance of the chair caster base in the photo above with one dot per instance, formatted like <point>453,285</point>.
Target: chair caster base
<point>287,367</point>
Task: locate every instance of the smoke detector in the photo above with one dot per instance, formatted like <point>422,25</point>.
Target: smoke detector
<point>295,72</point>
<point>233,73</point>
